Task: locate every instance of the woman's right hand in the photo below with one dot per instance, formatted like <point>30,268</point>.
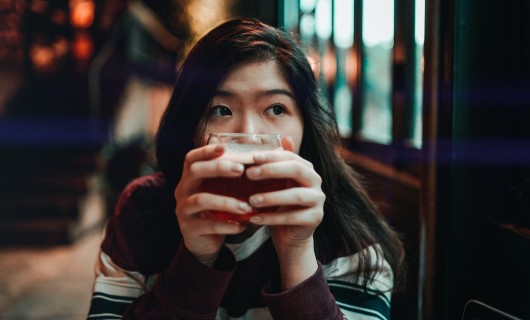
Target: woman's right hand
<point>202,233</point>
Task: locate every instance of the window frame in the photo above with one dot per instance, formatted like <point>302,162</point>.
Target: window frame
<point>400,152</point>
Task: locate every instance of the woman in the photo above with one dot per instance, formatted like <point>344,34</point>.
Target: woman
<point>326,254</point>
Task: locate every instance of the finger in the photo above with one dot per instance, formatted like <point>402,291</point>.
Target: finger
<point>204,153</point>
<point>292,169</point>
<point>287,143</point>
<point>289,197</point>
<point>212,139</point>
<point>215,168</point>
<point>309,217</point>
<point>206,201</point>
<point>205,225</point>
<point>202,163</point>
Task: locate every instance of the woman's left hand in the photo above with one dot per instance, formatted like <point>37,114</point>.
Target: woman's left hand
<point>301,210</point>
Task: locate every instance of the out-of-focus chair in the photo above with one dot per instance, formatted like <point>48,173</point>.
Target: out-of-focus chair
<point>476,310</point>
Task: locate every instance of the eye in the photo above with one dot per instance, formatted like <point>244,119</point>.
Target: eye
<point>220,111</point>
<point>276,110</point>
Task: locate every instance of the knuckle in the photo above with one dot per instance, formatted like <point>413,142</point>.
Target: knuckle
<point>267,170</point>
<point>184,225</point>
<point>198,199</point>
<point>177,193</point>
<point>226,203</point>
<point>321,196</point>
<point>217,227</point>
<point>317,217</point>
<point>319,179</point>
<point>299,171</point>
<point>187,158</point>
<point>291,219</point>
<point>193,169</point>
<point>299,196</point>
<point>222,165</point>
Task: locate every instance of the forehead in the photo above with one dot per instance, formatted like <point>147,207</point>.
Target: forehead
<point>255,75</point>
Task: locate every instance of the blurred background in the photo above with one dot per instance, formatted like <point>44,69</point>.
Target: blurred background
<point>432,98</point>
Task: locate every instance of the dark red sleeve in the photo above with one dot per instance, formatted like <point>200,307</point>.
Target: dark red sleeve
<point>188,290</point>
<point>143,236</point>
<point>309,300</point>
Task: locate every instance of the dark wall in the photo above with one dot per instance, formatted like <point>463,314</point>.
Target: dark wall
<point>485,250</point>
<point>264,10</point>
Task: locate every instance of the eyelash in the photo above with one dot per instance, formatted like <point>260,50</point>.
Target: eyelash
<point>283,109</point>
<point>217,110</point>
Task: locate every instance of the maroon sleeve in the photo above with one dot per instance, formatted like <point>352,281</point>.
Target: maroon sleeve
<point>188,290</point>
<point>143,236</point>
<point>309,300</point>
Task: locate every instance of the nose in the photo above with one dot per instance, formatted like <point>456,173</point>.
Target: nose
<point>249,124</point>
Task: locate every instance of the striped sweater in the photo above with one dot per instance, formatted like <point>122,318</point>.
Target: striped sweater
<point>145,272</point>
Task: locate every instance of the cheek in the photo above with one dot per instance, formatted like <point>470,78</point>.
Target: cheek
<point>296,132</point>
<point>215,126</point>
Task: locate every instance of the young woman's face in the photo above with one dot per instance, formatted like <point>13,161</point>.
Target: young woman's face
<point>256,98</point>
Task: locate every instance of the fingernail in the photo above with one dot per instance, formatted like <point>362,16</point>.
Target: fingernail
<point>245,207</point>
<point>256,219</point>
<point>238,167</point>
<point>256,200</point>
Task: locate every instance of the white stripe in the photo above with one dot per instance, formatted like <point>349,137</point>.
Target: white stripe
<point>245,249</point>
<point>382,297</point>
<point>112,299</point>
<point>342,269</point>
<point>118,287</point>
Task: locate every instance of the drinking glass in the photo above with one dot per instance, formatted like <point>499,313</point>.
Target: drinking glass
<point>240,148</point>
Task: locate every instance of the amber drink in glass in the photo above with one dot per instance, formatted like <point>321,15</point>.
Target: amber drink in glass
<point>241,148</point>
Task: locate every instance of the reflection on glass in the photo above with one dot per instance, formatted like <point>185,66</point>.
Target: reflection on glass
<point>378,40</point>
<point>418,61</point>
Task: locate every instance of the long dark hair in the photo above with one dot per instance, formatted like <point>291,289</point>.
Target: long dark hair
<point>351,221</point>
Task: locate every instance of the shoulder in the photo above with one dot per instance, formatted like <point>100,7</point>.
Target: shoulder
<point>142,224</point>
<point>356,300</point>
<point>343,269</point>
<point>142,191</point>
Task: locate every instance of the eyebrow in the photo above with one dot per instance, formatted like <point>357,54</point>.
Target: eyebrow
<point>271,92</point>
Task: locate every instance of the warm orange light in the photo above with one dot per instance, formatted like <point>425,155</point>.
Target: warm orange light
<point>329,66</point>
<point>81,13</point>
<point>351,66</point>
<point>82,46</point>
<point>42,57</point>
<point>206,14</point>
<point>45,57</point>
<point>313,58</point>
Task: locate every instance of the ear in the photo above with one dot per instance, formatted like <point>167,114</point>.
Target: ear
<point>287,143</point>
